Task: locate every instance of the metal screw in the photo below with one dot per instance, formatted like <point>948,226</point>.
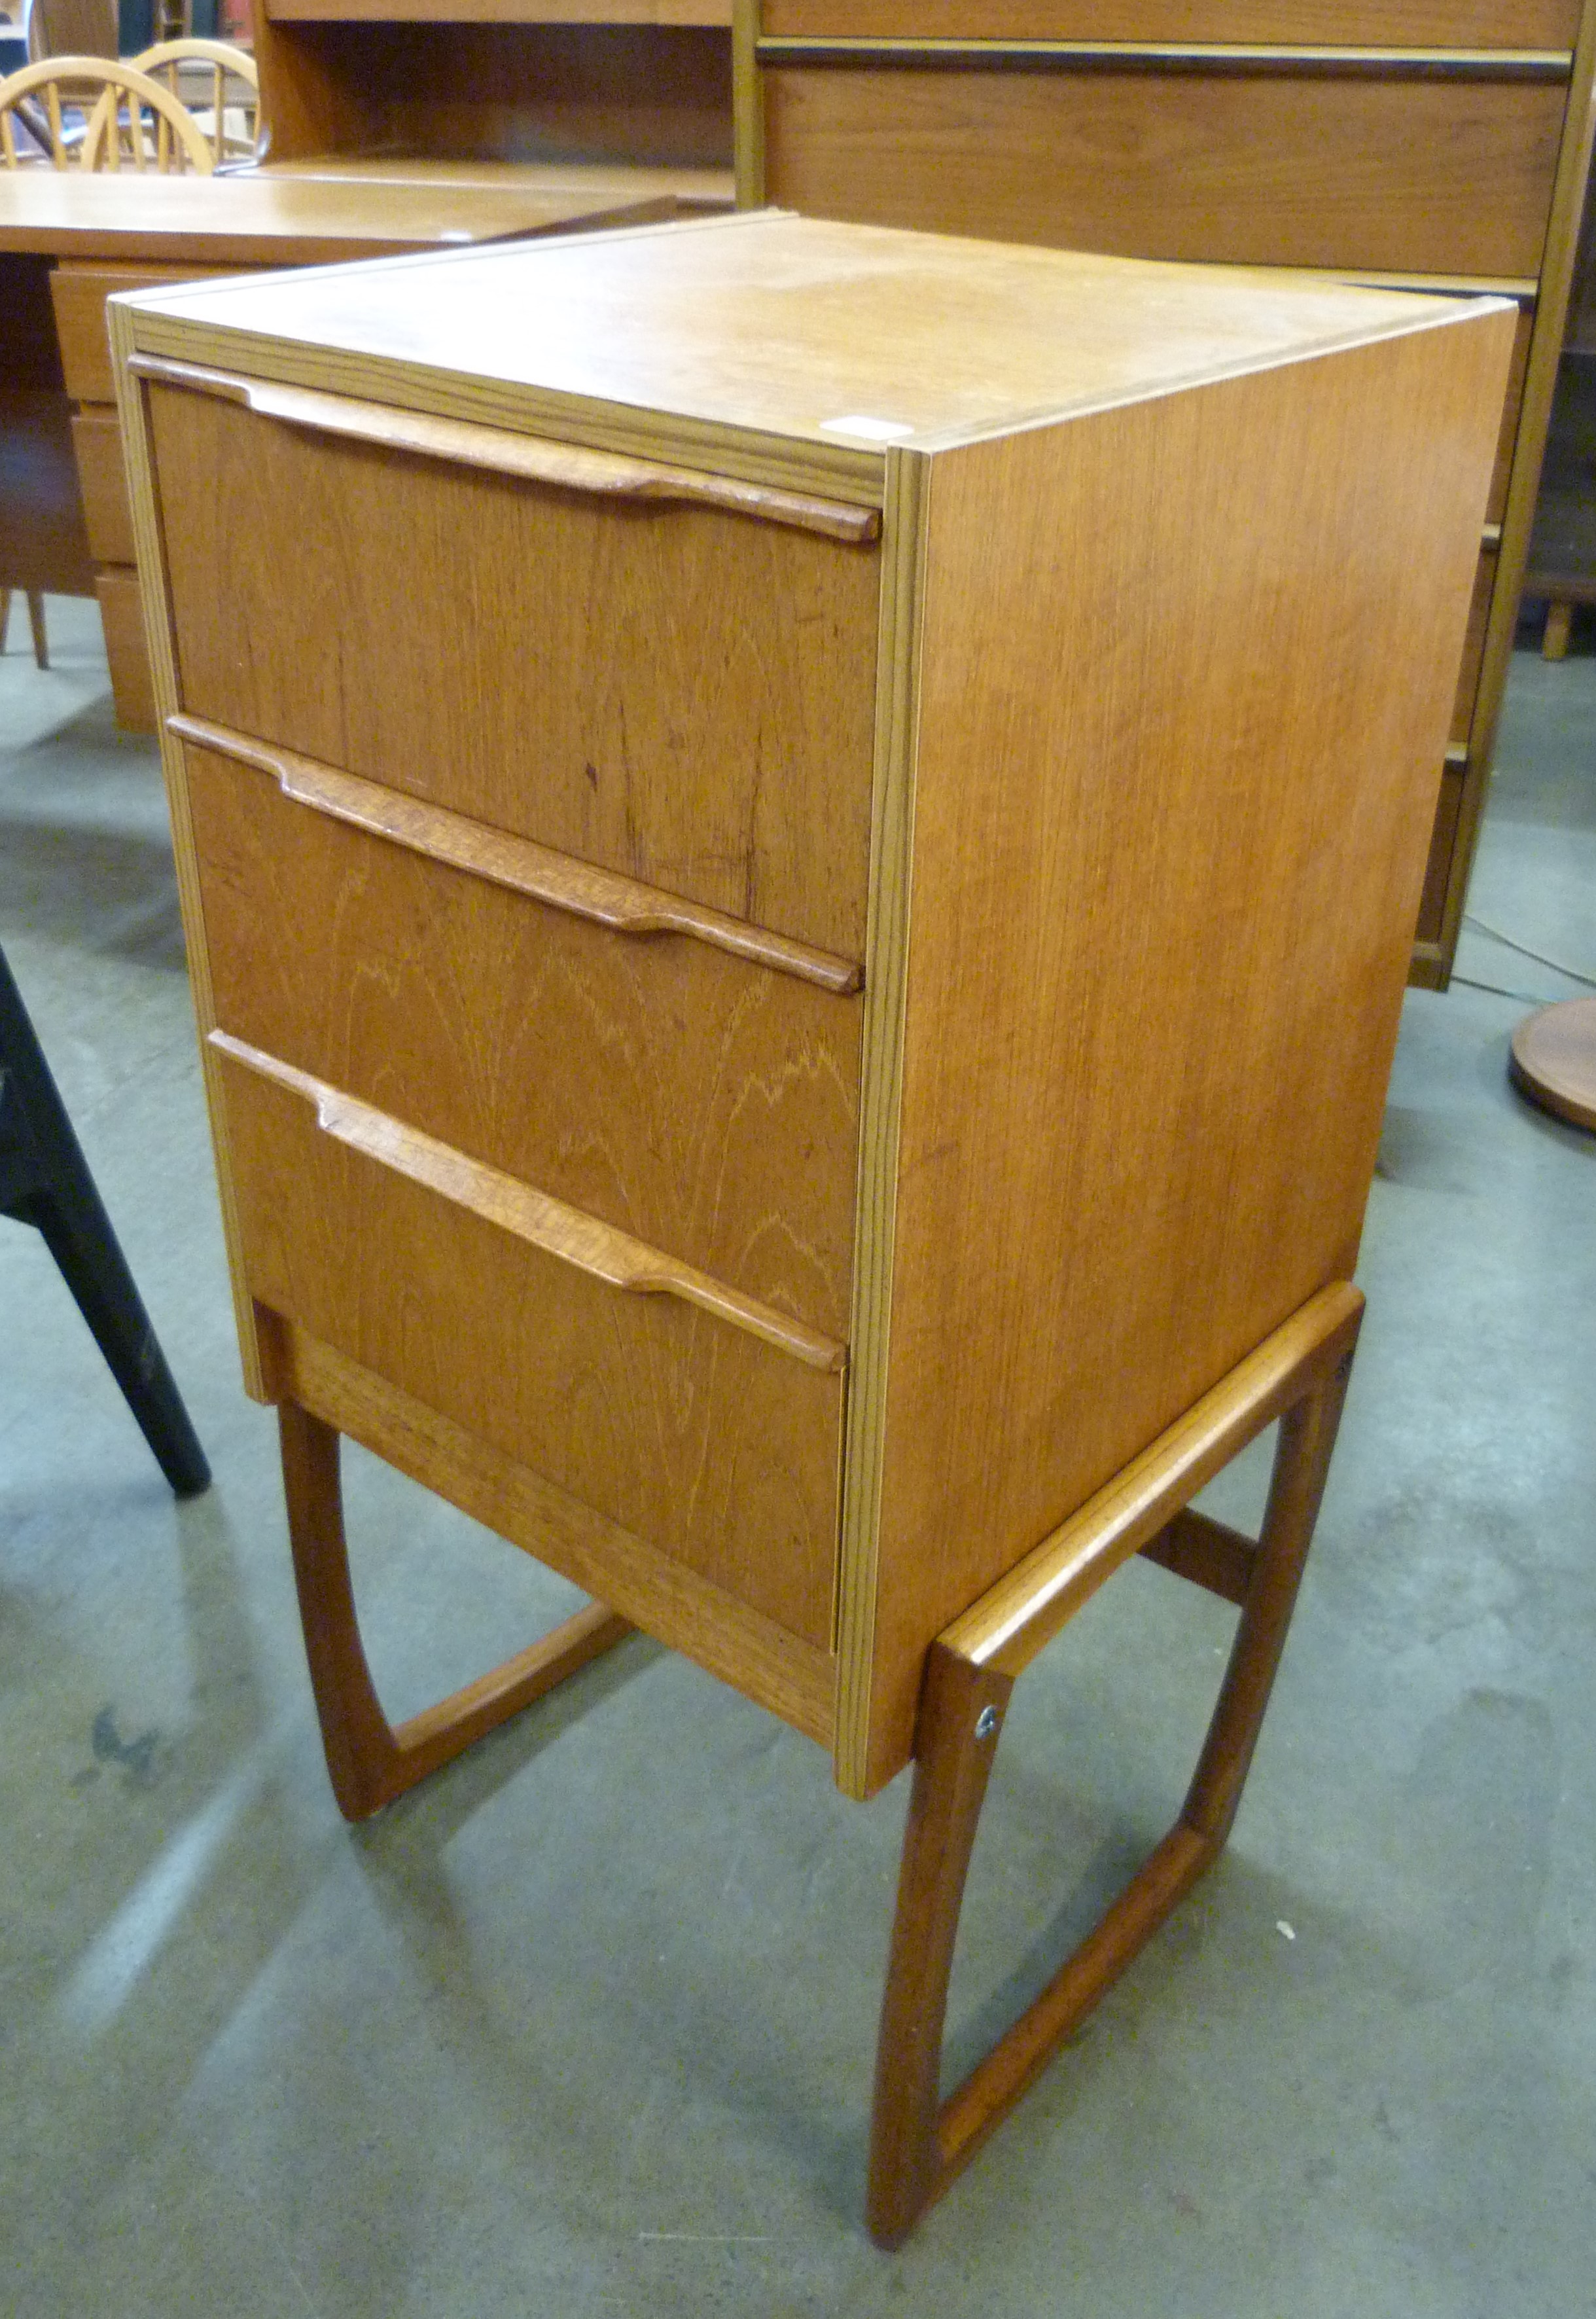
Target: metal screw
<point>986,1723</point>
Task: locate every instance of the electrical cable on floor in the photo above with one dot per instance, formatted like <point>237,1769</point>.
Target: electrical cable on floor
<point>1524,951</point>
<point>1522,997</point>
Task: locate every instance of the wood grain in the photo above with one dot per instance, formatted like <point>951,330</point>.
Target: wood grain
<point>1434,177</point>
<point>679,695</point>
<point>585,1242</point>
<point>567,466</point>
<point>42,541</point>
<point>813,323</point>
<point>103,480</point>
<point>719,1450</point>
<point>1512,411</point>
<point>1376,23</point>
<point>1018,1617</point>
<point>697,1104</point>
<point>657,94</point>
<point>684,1610</point>
<point>255,219</point>
<point>1143,1192</point>
<point>122,618</point>
<point>502,11</point>
<point>604,899</point>
<point>1473,645</point>
<point>80,292</point>
<point>1568,194</point>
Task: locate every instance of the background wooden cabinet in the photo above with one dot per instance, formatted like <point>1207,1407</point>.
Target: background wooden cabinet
<point>1441,143</point>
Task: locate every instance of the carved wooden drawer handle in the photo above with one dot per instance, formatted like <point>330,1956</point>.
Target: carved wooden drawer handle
<point>603,896</point>
<point>568,1233</point>
<point>533,458</point>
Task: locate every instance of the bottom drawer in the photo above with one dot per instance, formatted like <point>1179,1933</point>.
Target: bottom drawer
<point>717,1447</point>
<point>122,616</point>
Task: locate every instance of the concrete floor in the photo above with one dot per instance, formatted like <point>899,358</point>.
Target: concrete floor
<point>585,2028</point>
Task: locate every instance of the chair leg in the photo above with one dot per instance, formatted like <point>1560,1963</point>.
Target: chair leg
<point>918,2143</point>
<point>36,626</point>
<point>78,1232</point>
<point>45,1181</point>
<point>369,1761</point>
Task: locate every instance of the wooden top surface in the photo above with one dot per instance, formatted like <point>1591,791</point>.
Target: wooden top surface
<point>789,328</point>
<point>265,221</point>
<point>503,12</point>
<point>636,181</point>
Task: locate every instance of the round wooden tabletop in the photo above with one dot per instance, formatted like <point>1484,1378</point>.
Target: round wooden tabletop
<point>1554,1060</point>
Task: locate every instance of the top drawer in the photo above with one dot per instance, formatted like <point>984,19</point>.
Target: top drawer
<point>1341,23</point>
<point>673,690</point>
<point>80,292</point>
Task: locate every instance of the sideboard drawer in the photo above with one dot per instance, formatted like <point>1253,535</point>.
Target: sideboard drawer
<point>703,1102</point>
<point>80,292</point>
<point>721,1449</point>
<point>103,480</point>
<point>1450,176</point>
<point>1357,23</point>
<point>681,692</point>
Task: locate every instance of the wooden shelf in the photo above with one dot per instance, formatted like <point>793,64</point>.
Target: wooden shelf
<point>700,12</point>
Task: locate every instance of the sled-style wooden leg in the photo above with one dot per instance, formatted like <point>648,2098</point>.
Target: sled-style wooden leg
<point>919,2142</point>
<point>369,1761</point>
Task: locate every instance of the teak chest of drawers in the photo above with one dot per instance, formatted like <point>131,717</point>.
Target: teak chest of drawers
<point>798,845</point>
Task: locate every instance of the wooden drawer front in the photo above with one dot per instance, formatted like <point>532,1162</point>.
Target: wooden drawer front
<point>80,292</point>
<point>700,1102</point>
<point>1341,23</point>
<point>103,478</point>
<point>1474,647</point>
<point>679,693</point>
<point>121,616</point>
<point>718,1448</point>
<point>1444,176</point>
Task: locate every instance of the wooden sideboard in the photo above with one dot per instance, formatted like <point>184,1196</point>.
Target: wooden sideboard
<point>1440,143</point>
<point>510,83</point>
<point>819,1069</point>
<point>68,241</point>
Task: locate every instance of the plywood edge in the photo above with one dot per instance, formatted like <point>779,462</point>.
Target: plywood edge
<point>686,1612</point>
<point>886,986</point>
<point>837,471</point>
<point>150,544</point>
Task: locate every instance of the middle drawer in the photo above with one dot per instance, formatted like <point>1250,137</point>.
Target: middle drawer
<point>702,1102</point>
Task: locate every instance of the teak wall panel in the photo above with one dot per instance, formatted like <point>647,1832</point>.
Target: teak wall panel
<point>683,695</point>
<point>1345,24</point>
<point>714,1447</point>
<point>1444,176</point>
<point>702,1104</point>
<point>1130,919</point>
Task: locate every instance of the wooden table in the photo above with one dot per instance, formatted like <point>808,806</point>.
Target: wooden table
<point>68,241</point>
<point>818,1067</point>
